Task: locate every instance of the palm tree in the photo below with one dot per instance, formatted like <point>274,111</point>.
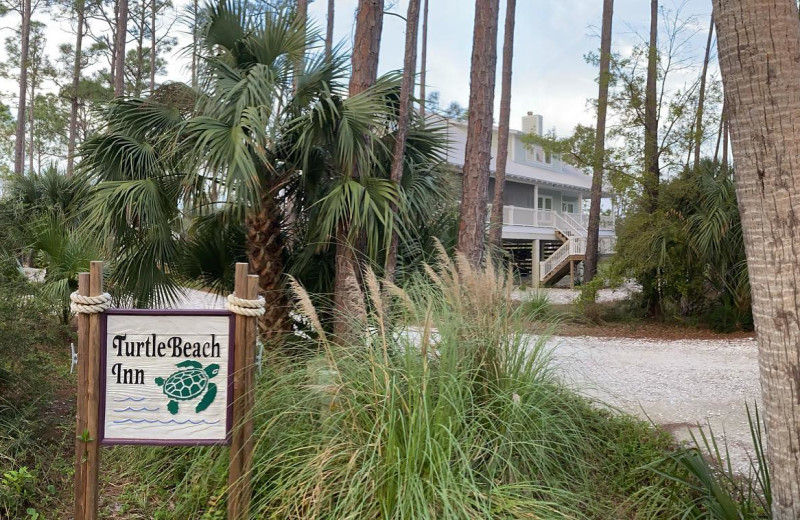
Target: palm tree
<point>763,95</point>
<point>172,168</point>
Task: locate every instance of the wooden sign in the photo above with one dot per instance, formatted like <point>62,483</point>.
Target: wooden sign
<point>166,377</point>
<point>181,377</point>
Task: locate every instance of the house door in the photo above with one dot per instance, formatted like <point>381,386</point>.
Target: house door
<point>545,203</point>
<point>568,207</point>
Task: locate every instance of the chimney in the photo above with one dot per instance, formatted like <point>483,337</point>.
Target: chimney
<point>532,123</point>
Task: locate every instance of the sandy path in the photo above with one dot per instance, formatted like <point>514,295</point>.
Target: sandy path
<point>673,383</point>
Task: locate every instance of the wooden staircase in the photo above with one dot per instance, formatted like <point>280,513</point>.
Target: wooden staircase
<point>563,260</point>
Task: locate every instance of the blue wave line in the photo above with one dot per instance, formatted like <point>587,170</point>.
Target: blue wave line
<point>142,409</point>
<point>171,421</point>
<point>134,399</point>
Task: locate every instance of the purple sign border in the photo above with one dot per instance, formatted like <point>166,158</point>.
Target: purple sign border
<point>104,364</point>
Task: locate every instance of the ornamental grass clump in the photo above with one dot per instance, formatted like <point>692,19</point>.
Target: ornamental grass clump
<point>444,409</point>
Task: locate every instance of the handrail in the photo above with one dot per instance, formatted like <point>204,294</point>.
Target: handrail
<point>536,217</point>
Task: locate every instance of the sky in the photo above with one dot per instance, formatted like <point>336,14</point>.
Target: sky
<point>550,76</point>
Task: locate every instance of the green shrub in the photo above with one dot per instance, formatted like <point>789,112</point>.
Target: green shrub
<point>16,489</point>
<point>535,304</point>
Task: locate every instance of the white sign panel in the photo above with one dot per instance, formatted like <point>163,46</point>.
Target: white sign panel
<point>166,377</point>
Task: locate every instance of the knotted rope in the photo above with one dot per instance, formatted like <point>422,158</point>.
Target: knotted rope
<point>246,307</point>
<point>80,304</point>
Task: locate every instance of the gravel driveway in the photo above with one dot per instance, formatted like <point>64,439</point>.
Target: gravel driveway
<point>676,384</point>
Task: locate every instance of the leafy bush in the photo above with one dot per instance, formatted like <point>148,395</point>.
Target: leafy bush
<point>688,254</point>
<point>30,340</point>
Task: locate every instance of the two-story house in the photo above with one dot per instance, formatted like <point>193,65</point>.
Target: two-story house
<point>545,205</point>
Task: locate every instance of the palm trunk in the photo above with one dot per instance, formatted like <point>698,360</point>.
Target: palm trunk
<point>119,48</point>
<point>152,46</point>
<point>329,30</point>
<point>698,133</point>
<point>364,73</point>
<point>19,144</point>
<point>265,249</point>
<point>496,220</point>
<point>593,237</point>
<point>423,65</point>
<point>404,113</point>
<point>759,43</point>
<point>76,79</point>
<point>652,175</point>
<point>478,152</point>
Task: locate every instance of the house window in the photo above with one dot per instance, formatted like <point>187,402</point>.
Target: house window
<point>545,202</point>
<point>568,207</point>
<point>534,154</point>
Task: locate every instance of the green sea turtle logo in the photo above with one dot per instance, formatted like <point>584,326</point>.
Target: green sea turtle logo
<point>189,383</point>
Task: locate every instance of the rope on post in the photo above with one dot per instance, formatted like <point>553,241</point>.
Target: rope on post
<point>89,304</point>
<point>246,307</point>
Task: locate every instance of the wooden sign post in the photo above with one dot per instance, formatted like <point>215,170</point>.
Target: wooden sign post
<point>241,451</point>
<point>165,377</point>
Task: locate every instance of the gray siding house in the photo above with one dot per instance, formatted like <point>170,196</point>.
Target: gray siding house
<point>545,205</point>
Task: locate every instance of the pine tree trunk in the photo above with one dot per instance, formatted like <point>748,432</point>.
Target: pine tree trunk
<point>496,220</point>
<point>721,127</point>
<point>119,48</point>
<point>302,17</point>
<point>265,253</point>
<point>76,81</point>
<point>759,54</point>
<point>329,30</point>
<point>725,135</point>
<point>364,72</point>
<point>404,113</point>
<point>153,42</point>
<point>652,174</point>
<point>423,65</point>
<point>593,236</point>
<point>478,152</point>
<point>19,144</point>
<point>194,43</point>
<point>698,133</point>
<point>138,83</point>
<point>31,121</point>
<point>112,42</point>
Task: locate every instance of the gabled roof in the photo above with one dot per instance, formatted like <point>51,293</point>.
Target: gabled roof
<point>566,177</point>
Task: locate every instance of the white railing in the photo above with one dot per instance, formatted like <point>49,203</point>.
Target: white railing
<point>606,221</point>
<point>568,225</point>
<point>606,245</point>
<point>529,217</point>
<point>545,218</point>
<point>572,247</point>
